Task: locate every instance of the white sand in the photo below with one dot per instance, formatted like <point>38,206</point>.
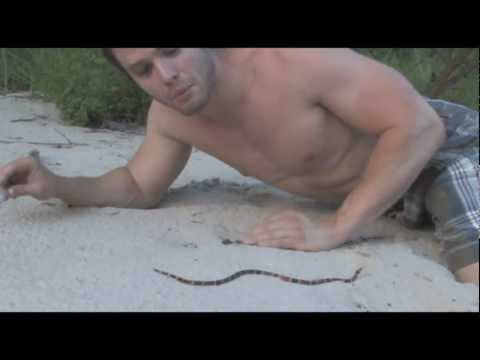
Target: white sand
<point>55,258</point>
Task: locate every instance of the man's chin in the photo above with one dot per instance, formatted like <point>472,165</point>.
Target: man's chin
<point>187,111</point>
<point>190,109</point>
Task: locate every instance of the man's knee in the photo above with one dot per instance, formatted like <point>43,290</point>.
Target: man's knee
<point>468,274</point>
<point>457,230</point>
<point>461,255</point>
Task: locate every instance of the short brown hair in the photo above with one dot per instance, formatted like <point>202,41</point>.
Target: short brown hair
<point>108,53</point>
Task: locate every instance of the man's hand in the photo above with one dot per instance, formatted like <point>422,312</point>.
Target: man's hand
<point>293,230</point>
<point>27,177</point>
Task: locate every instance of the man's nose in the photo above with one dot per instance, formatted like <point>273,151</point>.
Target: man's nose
<point>167,71</point>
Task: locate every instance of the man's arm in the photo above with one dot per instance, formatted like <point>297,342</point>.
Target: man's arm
<point>140,184</point>
<point>145,179</point>
<point>378,100</point>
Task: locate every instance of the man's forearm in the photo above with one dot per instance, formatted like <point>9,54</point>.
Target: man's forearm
<point>398,159</point>
<point>117,188</point>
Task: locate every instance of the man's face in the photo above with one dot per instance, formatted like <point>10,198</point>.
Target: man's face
<point>180,78</point>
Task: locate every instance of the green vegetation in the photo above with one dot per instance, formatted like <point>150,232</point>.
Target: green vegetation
<point>449,74</point>
<point>84,86</point>
<point>87,89</point>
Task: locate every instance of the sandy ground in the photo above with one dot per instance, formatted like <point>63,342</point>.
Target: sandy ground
<point>55,258</point>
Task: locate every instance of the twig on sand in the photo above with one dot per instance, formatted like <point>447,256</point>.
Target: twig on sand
<point>35,117</point>
<point>23,120</point>
<point>55,145</point>
<point>34,153</point>
<point>64,136</point>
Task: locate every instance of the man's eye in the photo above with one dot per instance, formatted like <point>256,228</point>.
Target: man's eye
<point>145,70</point>
<point>170,52</point>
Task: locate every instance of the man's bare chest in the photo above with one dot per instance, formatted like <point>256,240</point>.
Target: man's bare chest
<point>275,142</point>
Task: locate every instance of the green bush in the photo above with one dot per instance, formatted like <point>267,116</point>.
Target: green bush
<point>424,66</point>
<point>87,89</point>
<point>84,86</point>
<point>15,69</point>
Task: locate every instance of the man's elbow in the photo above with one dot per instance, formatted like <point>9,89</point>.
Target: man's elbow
<point>430,129</point>
<point>149,204</point>
<point>141,202</point>
<point>136,198</point>
<point>437,130</point>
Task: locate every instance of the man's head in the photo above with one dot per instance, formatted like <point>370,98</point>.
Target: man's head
<point>181,78</point>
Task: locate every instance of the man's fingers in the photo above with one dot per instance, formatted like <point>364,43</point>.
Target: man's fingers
<point>288,243</point>
<point>276,226</point>
<point>22,190</point>
<point>280,234</point>
<point>5,174</point>
<point>279,238</point>
<point>15,167</point>
<point>284,216</point>
<point>248,240</point>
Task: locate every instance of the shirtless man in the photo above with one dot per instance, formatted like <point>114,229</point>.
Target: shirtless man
<point>328,124</point>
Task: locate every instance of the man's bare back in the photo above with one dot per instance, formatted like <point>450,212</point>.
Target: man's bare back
<point>279,135</point>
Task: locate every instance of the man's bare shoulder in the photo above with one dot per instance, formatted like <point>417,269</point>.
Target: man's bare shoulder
<point>163,120</point>
<point>160,114</point>
<point>328,63</point>
<point>316,56</point>
<point>323,70</point>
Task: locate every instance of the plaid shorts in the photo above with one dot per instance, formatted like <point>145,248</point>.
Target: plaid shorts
<point>447,192</point>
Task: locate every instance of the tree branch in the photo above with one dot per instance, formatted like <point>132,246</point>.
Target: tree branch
<point>442,84</point>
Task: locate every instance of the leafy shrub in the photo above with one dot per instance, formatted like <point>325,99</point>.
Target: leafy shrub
<point>87,89</point>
